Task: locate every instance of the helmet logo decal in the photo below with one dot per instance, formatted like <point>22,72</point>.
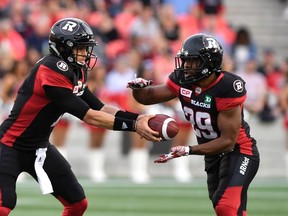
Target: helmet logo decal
<point>62,65</point>
<point>69,26</point>
<point>238,85</point>
<point>211,43</point>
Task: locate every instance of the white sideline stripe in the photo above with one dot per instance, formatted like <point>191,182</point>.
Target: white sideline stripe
<point>164,128</point>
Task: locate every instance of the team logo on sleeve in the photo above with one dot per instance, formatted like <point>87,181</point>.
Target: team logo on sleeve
<point>62,65</point>
<point>238,85</point>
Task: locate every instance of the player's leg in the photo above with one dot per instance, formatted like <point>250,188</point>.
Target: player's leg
<point>97,154</point>
<point>65,185</point>
<point>7,193</point>
<point>9,171</point>
<point>235,175</point>
<point>250,173</point>
<point>219,176</point>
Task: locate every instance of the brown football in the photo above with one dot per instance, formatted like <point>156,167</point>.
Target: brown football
<point>165,125</point>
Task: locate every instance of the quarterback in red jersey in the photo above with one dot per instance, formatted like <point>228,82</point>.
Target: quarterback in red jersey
<point>212,100</point>
<point>56,85</point>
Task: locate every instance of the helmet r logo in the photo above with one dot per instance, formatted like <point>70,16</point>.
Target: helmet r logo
<point>69,26</point>
<point>212,44</point>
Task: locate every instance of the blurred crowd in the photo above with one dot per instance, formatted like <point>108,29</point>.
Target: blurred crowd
<point>138,37</point>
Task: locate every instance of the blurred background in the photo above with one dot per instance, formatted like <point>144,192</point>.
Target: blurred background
<point>143,37</point>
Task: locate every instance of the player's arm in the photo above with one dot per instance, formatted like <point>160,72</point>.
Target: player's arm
<point>96,104</point>
<point>66,101</point>
<point>229,122</point>
<point>146,94</point>
<point>153,94</point>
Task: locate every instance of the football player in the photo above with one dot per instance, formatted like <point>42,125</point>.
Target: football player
<point>212,100</point>
<point>57,85</point>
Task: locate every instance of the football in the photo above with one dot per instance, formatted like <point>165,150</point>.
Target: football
<point>165,125</point>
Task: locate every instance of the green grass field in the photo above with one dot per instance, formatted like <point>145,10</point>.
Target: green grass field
<point>162,197</point>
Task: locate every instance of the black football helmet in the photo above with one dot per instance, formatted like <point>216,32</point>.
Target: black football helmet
<point>68,34</point>
<point>203,49</point>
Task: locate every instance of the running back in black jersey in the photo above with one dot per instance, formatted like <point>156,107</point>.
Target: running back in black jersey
<point>34,115</point>
<point>201,107</point>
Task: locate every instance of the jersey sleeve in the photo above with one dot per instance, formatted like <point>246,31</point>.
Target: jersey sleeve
<point>229,103</point>
<point>233,95</point>
<point>67,101</point>
<point>92,100</point>
<point>49,77</point>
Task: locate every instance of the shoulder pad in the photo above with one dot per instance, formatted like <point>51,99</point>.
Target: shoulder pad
<point>58,65</point>
<point>174,76</point>
<point>232,85</point>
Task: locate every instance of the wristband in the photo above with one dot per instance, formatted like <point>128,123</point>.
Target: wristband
<point>121,124</point>
<point>126,115</point>
<point>190,150</point>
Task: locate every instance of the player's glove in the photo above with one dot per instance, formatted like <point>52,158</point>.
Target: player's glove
<point>138,83</point>
<point>175,152</point>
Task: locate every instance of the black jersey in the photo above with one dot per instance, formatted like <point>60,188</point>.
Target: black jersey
<point>37,108</point>
<point>202,106</point>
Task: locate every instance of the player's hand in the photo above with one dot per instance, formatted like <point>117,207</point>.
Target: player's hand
<point>139,83</point>
<point>175,152</point>
<point>144,130</point>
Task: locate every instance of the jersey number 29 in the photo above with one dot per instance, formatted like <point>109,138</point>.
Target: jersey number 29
<point>201,122</point>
